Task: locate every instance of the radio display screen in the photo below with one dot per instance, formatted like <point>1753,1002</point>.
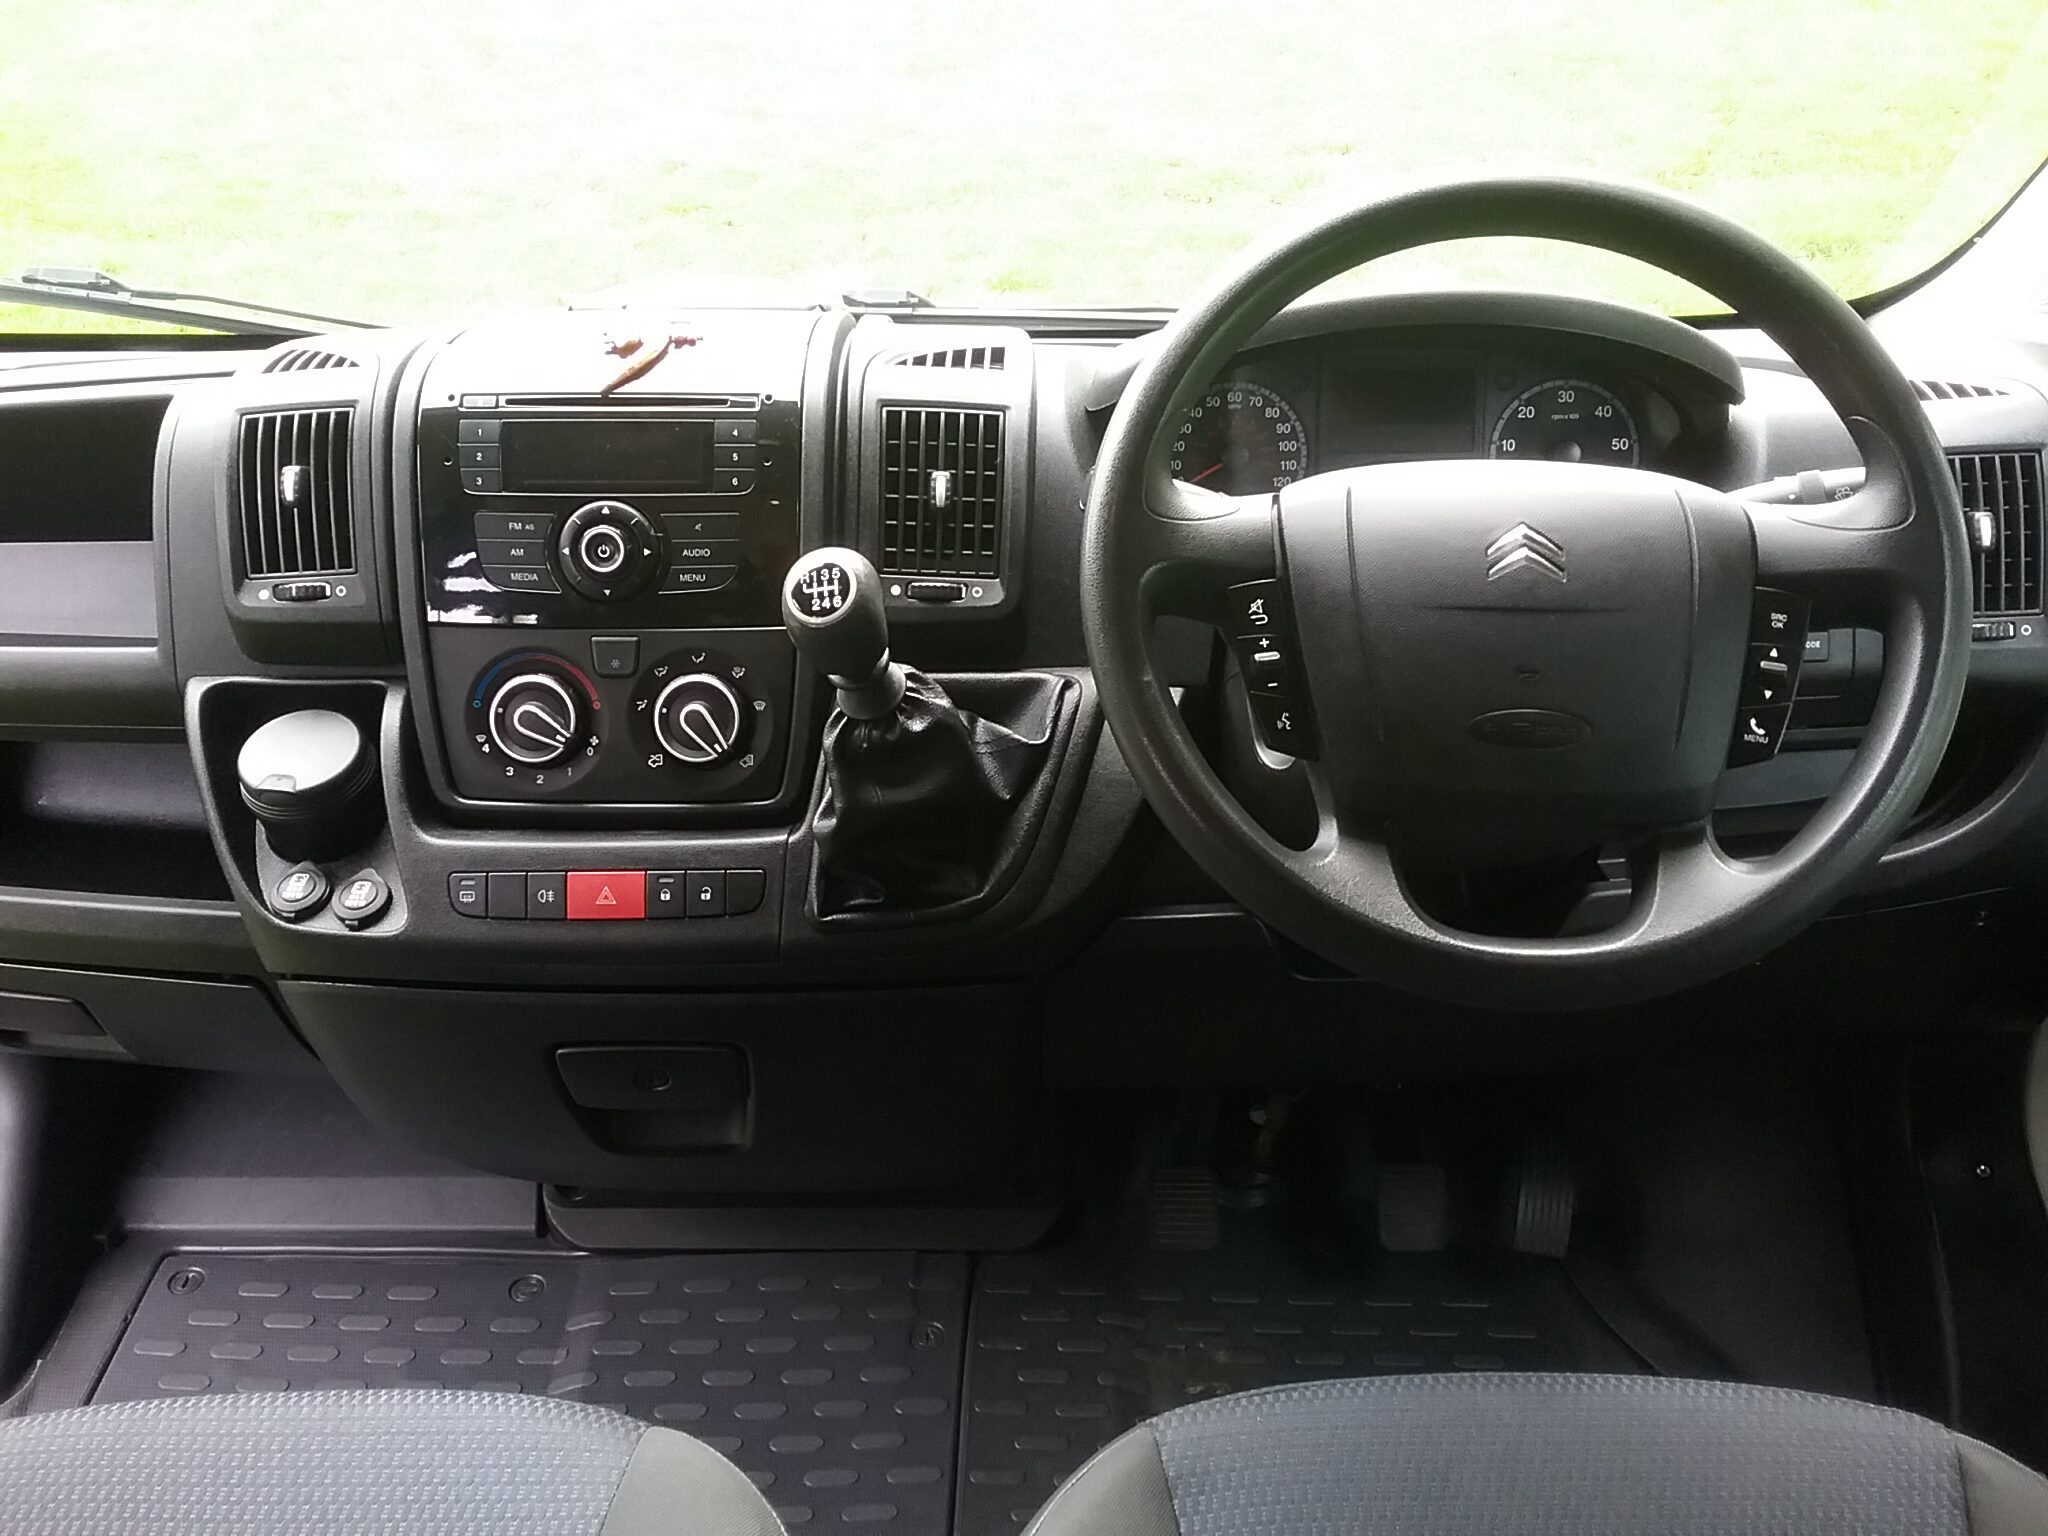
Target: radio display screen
<point>618,456</point>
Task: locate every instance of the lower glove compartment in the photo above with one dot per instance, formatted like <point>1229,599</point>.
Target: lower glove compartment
<point>774,1095</point>
<point>170,1021</point>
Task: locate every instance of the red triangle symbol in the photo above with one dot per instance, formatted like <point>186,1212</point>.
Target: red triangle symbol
<point>605,898</point>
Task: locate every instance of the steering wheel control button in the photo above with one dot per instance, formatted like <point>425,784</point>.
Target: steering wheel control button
<point>1773,673</point>
<point>466,895</point>
<point>615,655</point>
<point>1777,616</point>
<point>706,897</point>
<point>362,899</point>
<point>1284,726</point>
<point>597,895</point>
<point>1759,729</point>
<point>666,892</point>
<point>298,891</point>
<point>547,895</point>
<point>1268,665</point>
<point>744,889</point>
<point>505,893</point>
<point>1258,608</point>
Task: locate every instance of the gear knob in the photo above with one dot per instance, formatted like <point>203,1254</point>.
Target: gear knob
<point>832,607</point>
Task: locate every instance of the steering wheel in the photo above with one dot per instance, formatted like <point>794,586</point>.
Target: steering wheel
<point>1496,662</point>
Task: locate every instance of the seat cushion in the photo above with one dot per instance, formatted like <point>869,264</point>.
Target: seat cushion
<point>1544,1456</point>
<point>329,1462</point>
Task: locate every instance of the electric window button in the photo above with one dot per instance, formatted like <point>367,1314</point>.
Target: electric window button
<point>741,429</point>
<point>546,895</point>
<point>666,890</point>
<point>466,895</point>
<point>477,456</point>
<point>607,894</point>
<point>1759,728</point>
<point>477,431</point>
<point>505,893</point>
<point>362,899</point>
<point>706,895</point>
<point>1777,616</point>
<point>1284,725</point>
<point>744,890</point>
<point>482,481</point>
<point>615,655</point>
<point>1257,608</point>
<point>514,525</point>
<point>298,891</point>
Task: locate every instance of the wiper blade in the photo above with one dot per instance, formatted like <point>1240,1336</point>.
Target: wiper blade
<point>101,293</point>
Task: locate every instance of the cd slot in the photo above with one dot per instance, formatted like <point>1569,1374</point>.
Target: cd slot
<point>638,402</point>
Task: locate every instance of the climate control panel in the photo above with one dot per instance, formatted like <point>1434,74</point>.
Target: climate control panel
<point>646,718</point>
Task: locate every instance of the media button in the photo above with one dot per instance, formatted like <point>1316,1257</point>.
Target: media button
<point>521,578</point>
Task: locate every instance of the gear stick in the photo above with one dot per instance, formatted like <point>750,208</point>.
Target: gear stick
<point>832,607</point>
<point>924,808</point>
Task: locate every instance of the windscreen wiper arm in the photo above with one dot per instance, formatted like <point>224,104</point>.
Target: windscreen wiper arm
<point>101,293</point>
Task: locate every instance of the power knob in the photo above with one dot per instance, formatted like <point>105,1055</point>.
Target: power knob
<point>608,550</point>
<point>534,719</point>
<point>697,719</point>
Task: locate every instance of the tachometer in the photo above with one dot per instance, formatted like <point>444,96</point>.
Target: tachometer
<point>1569,420</point>
<point>1239,439</point>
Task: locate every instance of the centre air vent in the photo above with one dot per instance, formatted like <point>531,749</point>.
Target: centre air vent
<point>2001,495</point>
<point>294,483</point>
<point>992,358</point>
<point>942,491</point>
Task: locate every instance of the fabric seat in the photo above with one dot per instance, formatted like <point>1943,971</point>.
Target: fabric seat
<point>451,1463</point>
<point>1544,1456</point>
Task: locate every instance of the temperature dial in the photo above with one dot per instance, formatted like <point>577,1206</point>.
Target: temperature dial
<point>534,718</point>
<point>699,719</point>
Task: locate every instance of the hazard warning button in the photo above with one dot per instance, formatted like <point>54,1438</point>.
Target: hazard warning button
<point>599,893</point>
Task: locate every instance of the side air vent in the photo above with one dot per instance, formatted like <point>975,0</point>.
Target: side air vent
<point>2002,500</point>
<point>294,480</point>
<point>942,491</point>
<point>989,358</point>
<point>1943,389</point>
<point>307,359</point>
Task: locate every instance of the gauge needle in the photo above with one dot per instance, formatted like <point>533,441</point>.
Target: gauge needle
<point>1205,474</point>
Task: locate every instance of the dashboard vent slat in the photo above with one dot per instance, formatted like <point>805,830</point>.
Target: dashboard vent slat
<point>991,359</point>
<point>1950,389</point>
<point>307,360</point>
<point>2002,493</point>
<point>942,491</point>
<point>296,510</point>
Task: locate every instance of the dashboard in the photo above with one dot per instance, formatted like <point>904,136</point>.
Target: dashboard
<point>534,610</point>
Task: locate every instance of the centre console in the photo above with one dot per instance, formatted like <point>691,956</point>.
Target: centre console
<point>604,515</point>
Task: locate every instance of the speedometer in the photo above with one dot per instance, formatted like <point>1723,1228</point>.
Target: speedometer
<point>1239,439</point>
<point>1569,420</point>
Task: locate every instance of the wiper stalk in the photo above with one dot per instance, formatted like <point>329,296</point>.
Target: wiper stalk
<point>101,293</point>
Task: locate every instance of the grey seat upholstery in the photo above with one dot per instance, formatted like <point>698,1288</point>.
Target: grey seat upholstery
<point>451,1463</point>
<point>1544,1456</point>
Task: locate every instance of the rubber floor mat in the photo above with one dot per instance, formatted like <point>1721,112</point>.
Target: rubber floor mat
<point>831,1379</point>
<point>1065,1354</point>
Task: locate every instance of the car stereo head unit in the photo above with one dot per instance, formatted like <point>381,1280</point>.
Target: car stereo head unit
<point>546,500</point>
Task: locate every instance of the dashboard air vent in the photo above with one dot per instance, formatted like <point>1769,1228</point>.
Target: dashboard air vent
<point>2002,500</point>
<point>1943,389</point>
<point>942,491</point>
<point>307,359</point>
<point>990,358</point>
<point>296,507</point>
